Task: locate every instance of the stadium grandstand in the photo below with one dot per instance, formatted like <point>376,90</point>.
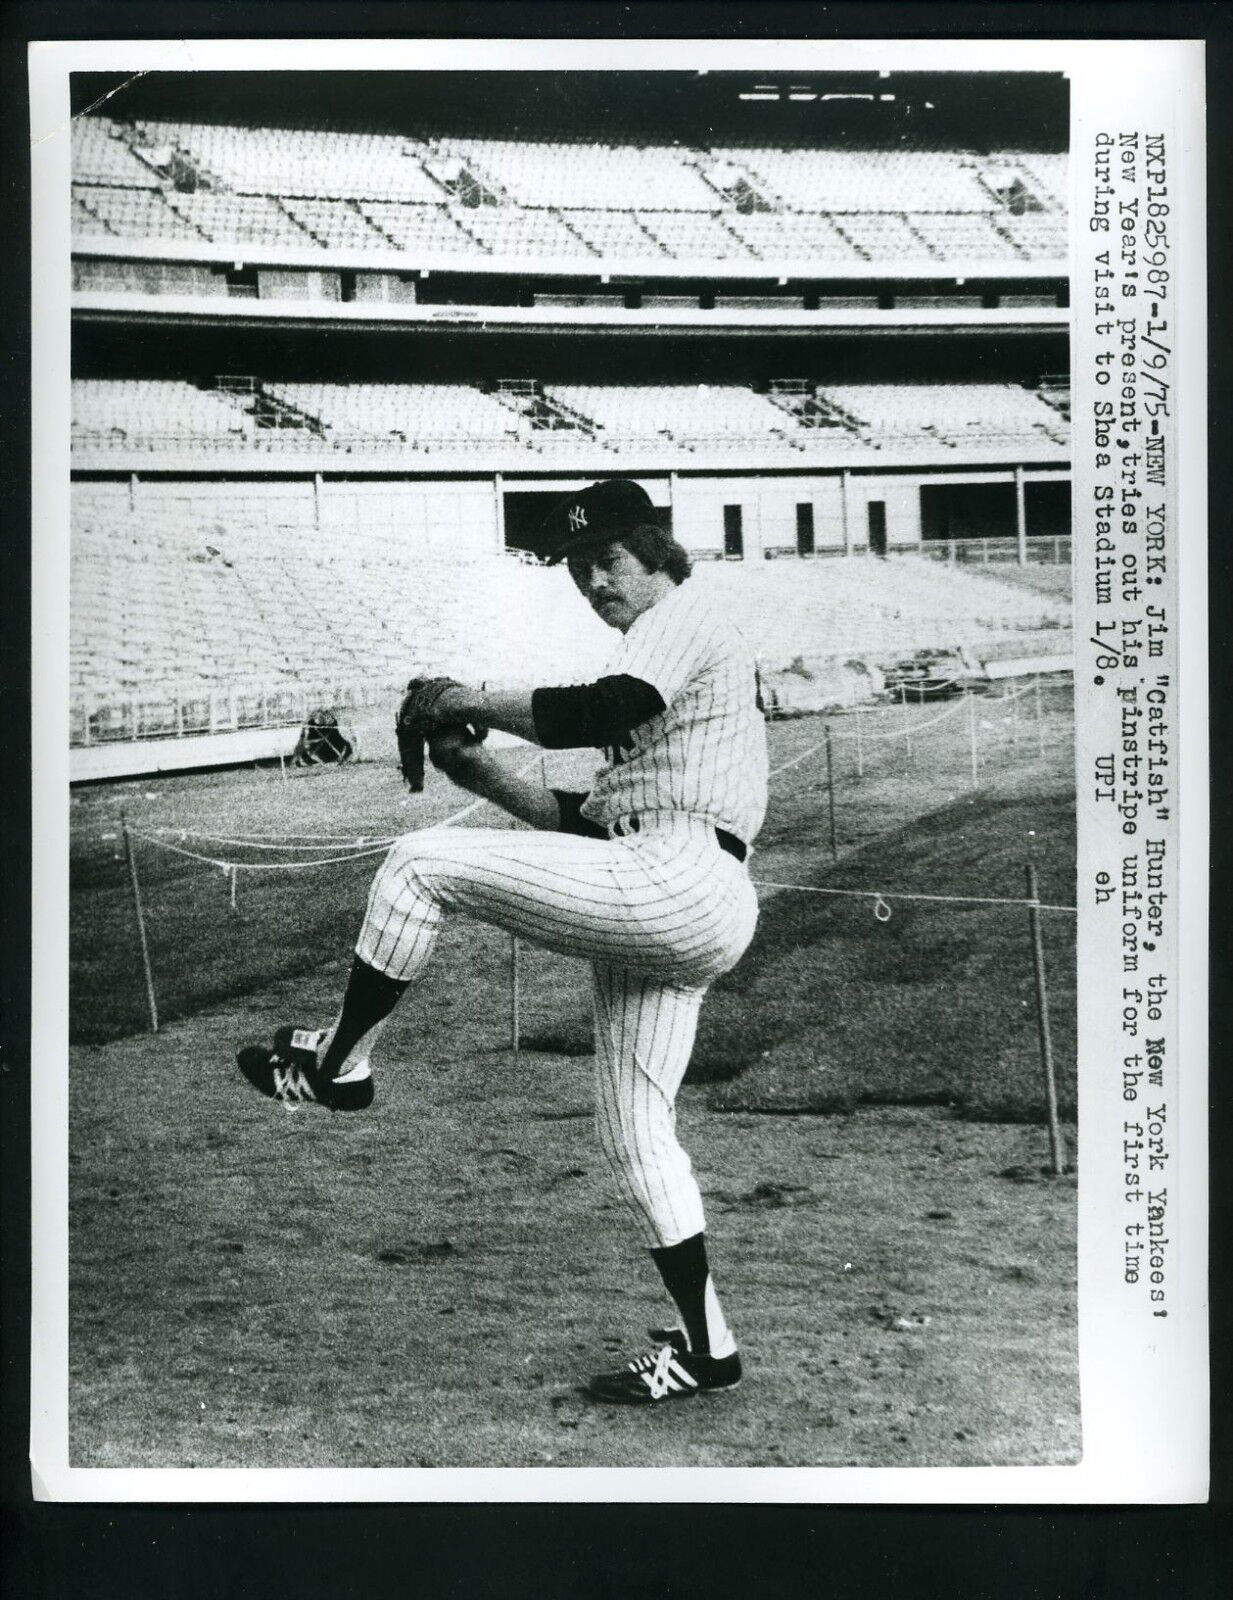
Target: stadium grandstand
<point>337,345</point>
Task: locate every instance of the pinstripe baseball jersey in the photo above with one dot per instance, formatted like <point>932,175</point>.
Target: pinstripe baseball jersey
<point>705,753</point>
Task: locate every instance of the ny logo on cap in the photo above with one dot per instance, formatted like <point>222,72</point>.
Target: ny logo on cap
<point>577,518</point>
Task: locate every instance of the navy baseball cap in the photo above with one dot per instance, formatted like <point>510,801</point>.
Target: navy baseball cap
<point>594,515</point>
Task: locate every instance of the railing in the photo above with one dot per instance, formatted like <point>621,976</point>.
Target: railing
<point>1046,549</point>
<point>277,434</point>
<point>191,712</point>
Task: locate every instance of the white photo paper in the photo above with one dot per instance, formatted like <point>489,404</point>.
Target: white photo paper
<point>901,344</point>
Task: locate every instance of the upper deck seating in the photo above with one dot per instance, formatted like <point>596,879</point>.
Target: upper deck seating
<point>129,213</point>
<point>534,173</point>
<point>337,224</point>
<point>509,230</point>
<point>1048,172</point>
<point>695,235</point>
<point>864,180</point>
<point>881,236</point>
<point>962,236</point>
<point>101,155</point>
<point>297,161</point>
<point>958,413</point>
<point>793,236</point>
<point>415,226</point>
<point>411,415</point>
<point>155,412</point>
<point>1039,234</point>
<point>526,198</point>
<point>248,218</point>
<point>394,417</point>
<point>687,413</point>
<point>613,233</point>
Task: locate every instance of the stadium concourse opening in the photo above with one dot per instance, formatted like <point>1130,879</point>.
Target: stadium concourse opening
<point>987,510</point>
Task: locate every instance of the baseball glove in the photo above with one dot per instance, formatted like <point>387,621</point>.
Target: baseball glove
<point>418,719</point>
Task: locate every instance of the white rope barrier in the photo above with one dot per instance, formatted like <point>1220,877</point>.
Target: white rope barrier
<point>270,844</point>
<point>256,866</point>
<point>364,846</point>
<point>295,841</point>
<point>883,896</point>
<point>894,733</point>
<point>903,733</point>
<point>796,760</point>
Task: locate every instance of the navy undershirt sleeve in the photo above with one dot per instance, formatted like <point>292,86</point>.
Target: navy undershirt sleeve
<point>572,821</point>
<point>593,715</point>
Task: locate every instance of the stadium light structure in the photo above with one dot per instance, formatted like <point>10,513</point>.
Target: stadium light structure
<point>804,92</point>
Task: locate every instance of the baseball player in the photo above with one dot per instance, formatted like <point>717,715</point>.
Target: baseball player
<point>644,876</point>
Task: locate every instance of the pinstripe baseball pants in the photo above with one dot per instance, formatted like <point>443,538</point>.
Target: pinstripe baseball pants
<point>660,915</point>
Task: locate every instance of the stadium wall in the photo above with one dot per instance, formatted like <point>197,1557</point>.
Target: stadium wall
<point>472,513</point>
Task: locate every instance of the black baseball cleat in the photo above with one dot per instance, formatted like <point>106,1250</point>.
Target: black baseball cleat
<point>669,1373</point>
<point>288,1071</point>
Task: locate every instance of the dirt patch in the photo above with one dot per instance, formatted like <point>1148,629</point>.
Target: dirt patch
<point>899,1302</point>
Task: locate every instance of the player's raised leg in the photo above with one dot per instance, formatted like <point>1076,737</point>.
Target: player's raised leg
<point>327,1066</point>
<point>682,910</point>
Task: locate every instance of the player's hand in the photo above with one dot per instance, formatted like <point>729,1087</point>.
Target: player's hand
<point>456,749</point>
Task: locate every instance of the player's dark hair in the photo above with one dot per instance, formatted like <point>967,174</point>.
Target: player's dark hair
<point>657,550</point>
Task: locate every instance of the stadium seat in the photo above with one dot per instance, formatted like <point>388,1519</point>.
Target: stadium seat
<point>694,235</point>
<point>100,154</point>
<point>512,231</point>
<point>612,232</point>
<point>338,224</point>
<point>346,190</point>
<point>972,413</point>
<point>150,414</point>
<point>793,236</point>
<point>1040,235</point>
<point>883,236</point>
<point>864,180</point>
<point>403,416</point>
<point>534,173</point>
<point>392,417</point>
<point>420,227</point>
<point>245,218</point>
<point>298,161</point>
<point>130,213</point>
<point>958,236</point>
<point>687,413</point>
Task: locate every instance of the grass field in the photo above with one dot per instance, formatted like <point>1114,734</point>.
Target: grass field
<point>428,1284</point>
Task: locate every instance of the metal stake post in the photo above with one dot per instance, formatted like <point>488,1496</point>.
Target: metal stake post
<point>1042,1016</point>
<point>141,923</point>
<point>830,793</point>
<point>1040,726</point>
<point>860,747</point>
<point>907,721</point>
<point>515,998</point>
<point>972,736</point>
